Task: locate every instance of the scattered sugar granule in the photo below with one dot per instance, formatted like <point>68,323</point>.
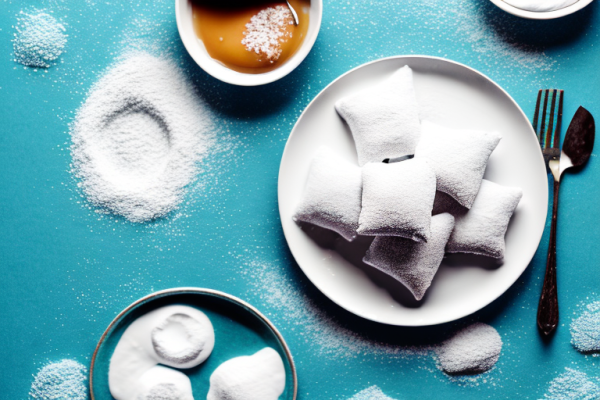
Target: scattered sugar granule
<point>370,393</point>
<point>63,380</point>
<point>572,385</point>
<point>267,30</point>
<point>138,138</point>
<point>40,39</point>
<point>472,350</point>
<point>585,330</point>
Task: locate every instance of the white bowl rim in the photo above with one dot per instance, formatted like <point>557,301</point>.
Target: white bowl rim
<point>243,79</point>
<point>541,15</point>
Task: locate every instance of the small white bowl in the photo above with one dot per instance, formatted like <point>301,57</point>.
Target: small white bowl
<point>194,46</point>
<point>541,15</point>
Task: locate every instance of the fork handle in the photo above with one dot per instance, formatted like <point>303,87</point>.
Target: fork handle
<point>547,317</point>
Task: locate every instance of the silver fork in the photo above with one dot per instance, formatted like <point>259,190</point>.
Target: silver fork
<point>549,138</point>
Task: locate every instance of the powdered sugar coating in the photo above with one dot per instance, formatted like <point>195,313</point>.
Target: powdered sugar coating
<point>384,119</point>
<point>267,30</point>
<point>459,158</point>
<point>138,138</point>
<point>472,350</point>
<point>481,230</point>
<point>397,199</point>
<point>412,263</point>
<point>332,196</point>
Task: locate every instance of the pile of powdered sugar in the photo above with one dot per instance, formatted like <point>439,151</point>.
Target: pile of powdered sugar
<point>267,30</point>
<point>585,330</point>
<point>472,350</point>
<point>572,385</point>
<point>370,393</point>
<point>60,380</point>
<point>39,39</point>
<point>138,138</point>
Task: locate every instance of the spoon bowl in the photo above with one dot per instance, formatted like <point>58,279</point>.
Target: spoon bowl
<point>579,140</point>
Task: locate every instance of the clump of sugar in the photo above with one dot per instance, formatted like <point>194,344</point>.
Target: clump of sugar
<point>39,39</point>
<point>267,30</point>
<point>572,385</point>
<point>585,330</point>
<point>472,350</point>
<point>370,393</point>
<point>60,380</point>
<point>260,376</point>
<point>138,138</point>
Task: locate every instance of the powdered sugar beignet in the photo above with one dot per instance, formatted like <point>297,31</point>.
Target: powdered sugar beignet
<point>332,195</point>
<point>459,158</point>
<point>384,119</point>
<point>397,199</point>
<point>482,229</point>
<point>412,263</point>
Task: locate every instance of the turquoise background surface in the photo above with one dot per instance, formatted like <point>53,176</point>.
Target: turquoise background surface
<point>67,271</point>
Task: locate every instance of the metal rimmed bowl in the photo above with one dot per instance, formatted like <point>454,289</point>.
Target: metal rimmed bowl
<point>240,329</point>
<point>541,15</point>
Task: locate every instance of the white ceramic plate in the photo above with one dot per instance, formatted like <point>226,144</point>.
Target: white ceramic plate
<point>450,94</point>
<point>541,15</point>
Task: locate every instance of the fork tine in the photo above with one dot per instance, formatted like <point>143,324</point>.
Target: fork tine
<point>551,129</point>
<point>556,142</point>
<point>543,126</point>
<point>537,114</point>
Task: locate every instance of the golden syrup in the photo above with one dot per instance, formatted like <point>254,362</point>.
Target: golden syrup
<point>221,26</point>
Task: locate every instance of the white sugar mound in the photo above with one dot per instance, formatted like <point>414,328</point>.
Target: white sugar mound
<point>572,385</point>
<point>60,380</point>
<point>138,138</point>
<point>472,350</point>
<point>39,39</point>
<point>585,330</point>
<point>257,377</point>
<point>370,393</point>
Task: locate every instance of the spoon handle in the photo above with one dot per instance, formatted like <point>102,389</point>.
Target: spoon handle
<point>547,317</point>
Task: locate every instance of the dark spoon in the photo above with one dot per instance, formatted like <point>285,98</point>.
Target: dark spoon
<point>576,151</point>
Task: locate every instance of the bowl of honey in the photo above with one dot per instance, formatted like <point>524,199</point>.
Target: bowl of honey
<point>248,42</point>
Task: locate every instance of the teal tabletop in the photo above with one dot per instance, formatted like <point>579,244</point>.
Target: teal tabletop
<point>68,270</point>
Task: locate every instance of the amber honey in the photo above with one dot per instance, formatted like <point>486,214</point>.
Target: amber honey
<point>221,26</point>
